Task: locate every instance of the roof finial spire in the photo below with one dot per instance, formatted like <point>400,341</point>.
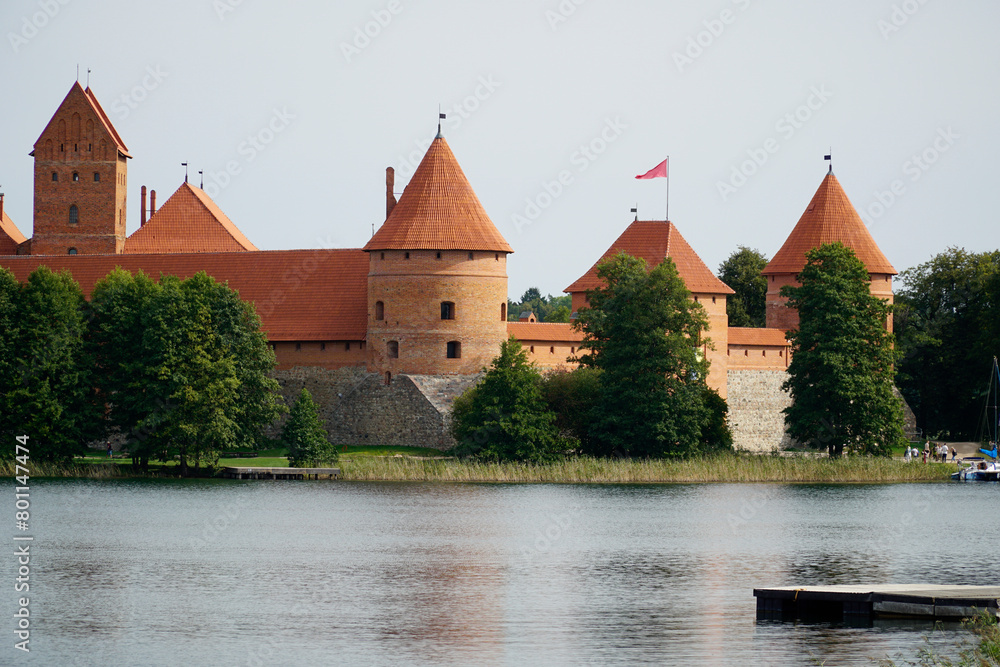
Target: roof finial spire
<point>185,165</point>
<point>78,72</point>
<point>829,158</point>
<point>441,117</point>
<point>201,172</point>
<point>88,77</point>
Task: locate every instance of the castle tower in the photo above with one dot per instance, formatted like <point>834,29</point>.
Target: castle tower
<point>80,181</point>
<point>829,218</point>
<point>437,280</point>
<point>653,241</point>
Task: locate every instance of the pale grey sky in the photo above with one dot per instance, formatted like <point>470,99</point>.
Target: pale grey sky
<point>307,102</point>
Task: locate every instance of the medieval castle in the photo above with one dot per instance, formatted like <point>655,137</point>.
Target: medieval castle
<point>385,335</point>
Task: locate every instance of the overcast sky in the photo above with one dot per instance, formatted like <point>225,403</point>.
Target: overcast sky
<point>305,104</point>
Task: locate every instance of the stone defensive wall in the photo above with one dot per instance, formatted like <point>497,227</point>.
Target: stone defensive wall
<point>359,408</point>
<point>756,401</point>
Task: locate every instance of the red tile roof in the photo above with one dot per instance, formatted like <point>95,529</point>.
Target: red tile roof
<point>544,331</point>
<point>438,210</point>
<point>10,236</point>
<point>102,118</point>
<point>653,240</point>
<point>301,295</point>
<point>757,337</point>
<point>188,222</point>
<point>829,218</point>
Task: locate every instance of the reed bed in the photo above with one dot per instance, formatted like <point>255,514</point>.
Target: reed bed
<point>84,470</point>
<point>731,468</point>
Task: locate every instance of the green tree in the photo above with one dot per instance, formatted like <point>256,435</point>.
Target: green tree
<point>841,373</point>
<point>308,444</point>
<point>9,292</point>
<point>503,417</point>
<point>643,331</point>
<point>571,395</point>
<point>546,308</point>
<point>184,366</point>
<point>948,332</point>
<point>741,271</point>
<point>48,392</point>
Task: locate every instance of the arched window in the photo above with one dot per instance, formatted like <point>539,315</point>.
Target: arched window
<point>392,349</point>
<point>503,312</point>
<point>55,176</point>
<point>97,177</point>
<point>379,310</point>
<point>454,349</point>
<point>447,310</point>
<point>76,176</point>
<point>71,251</point>
<point>74,214</point>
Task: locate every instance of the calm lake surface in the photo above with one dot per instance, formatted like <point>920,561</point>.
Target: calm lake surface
<point>309,573</point>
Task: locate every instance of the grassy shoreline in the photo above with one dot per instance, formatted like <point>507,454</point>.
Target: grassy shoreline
<point>733,468</point>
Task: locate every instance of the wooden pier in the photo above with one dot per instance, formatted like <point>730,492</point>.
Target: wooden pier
<point>854,603</point>
<point>280,473</point>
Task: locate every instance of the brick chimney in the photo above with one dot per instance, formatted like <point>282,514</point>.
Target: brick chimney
<point>142,209</point>
<point>152,202</point>
<point>390,198</point>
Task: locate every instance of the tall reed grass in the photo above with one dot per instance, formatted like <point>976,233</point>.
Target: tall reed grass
<point>86,470</point>
<point>727,468</point>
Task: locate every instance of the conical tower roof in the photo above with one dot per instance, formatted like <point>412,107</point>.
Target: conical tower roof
<point>829,218</point>
<point>653,240</point>
<point>438,210</point>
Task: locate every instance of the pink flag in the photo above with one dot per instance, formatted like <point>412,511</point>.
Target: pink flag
<point>659,171</point>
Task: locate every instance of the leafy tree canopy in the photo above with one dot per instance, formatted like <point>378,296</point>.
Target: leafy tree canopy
<point>741,271</point>
<point>948,331</point>
<point>645,334</point>
<point>841,373</point>
<point>47,376</point>
<point>546,308</point>
<point>503,417</point>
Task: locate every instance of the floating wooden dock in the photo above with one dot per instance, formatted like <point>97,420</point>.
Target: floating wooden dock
<point>853,603</point>
<point>280,473</point>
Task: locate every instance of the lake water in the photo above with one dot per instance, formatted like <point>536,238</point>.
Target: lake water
<point>307,573</point>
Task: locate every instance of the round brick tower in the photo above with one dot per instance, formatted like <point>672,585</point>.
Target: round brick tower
<point>829,218</point>
<point>437,279</point>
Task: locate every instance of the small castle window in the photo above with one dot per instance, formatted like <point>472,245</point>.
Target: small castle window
<point>572,350</point>
<point>62,148</point>
<point>454,349</point>
<point>76,177</point>
<point>447,310</point>
<point>503,312</point>
<point>438,255</point>
<point>97,177</point>
<point>90,147</point>
<point>74,214</point>
<point>696,298</point>
<point>347,346</point>
<point>381,255</point>
<point>392,349</point>
<point>55,176</point>
<point>75,148</point>
<point>322,346</point>
<point>71,251</point>
<point>746,353</point>
<point>379,310</point>
<point>388,378</point>
<point>552,350</point>
<point>406,255</point>
<point>713,299</point>
<point>496,256</point>
<point>298,347</point>
<point>763,353</point>
<point>472,256</point>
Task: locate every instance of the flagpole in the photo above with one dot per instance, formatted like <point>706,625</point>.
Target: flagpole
<point>668,188</point>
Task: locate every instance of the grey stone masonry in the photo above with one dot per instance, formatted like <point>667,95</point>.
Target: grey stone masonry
<point>756,401</point>
<point>359,408</point>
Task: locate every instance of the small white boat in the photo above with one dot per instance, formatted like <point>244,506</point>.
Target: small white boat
<point>979,469</point>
